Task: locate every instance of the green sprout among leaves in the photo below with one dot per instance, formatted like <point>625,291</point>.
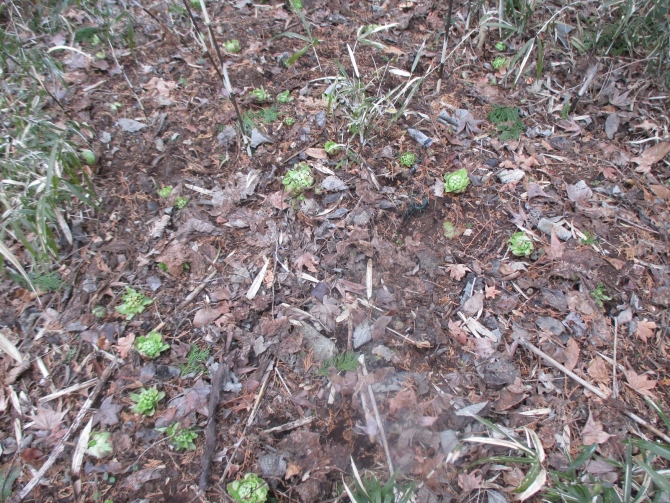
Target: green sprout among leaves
<point>88,156</point>
<point>232,46</point>
<point>588,239</point>
<point>99,311</point>
<point>456,182</point>
<point>181,203</point>
<point>289,121</point>
<point>284,97</point>
<point>260,94</point>
<point>298,179</point>
<point>146,401</point>
<point>134,303</point>
<point>408,159</point>
<point>195,358</point>
<point>183,440</point>
<point>520,244</point>
<point>370,490</point>
<point>251,489</point>
<point>331,147</point>
<point>600,294</point>
<point>152,345</point>
<point>499,62</point>
<point>100,444</point>
<point>500,46</point>
<point>343,362</point>
<point>165,191</point>
<point>507,122</point>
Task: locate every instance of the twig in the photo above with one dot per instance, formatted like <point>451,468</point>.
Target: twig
<point>445,43</point>
<point>380,425</point>
<point>201,38</point>
<point>197,291</point>
<point>290,426</point>
<point>350,329</point>
<point>139,101</point>
<point>615,390</point>
<point>61,445</point>
<point>590,74</point>
<point>220,379</point>
<point>67,391</point>
<point>530,347</point>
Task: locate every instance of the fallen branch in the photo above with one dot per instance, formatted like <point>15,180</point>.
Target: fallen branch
<point>596,391</point>
<point>220,379</point>
<point>72,429</point>
<point>197,291</point>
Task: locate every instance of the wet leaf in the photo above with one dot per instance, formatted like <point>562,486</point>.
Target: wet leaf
<point>108,412</point>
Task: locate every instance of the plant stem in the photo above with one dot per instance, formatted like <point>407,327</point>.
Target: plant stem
<point>201,37</point>
<point>447,28</point>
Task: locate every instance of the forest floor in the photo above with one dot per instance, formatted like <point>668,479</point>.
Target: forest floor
<point>374,258</point>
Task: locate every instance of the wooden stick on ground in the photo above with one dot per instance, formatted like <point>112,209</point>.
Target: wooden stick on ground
<point>220,379</point>
<point>61,445</point>
<point>596,391</point>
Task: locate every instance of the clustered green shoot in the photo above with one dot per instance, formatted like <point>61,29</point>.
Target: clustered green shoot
<point>232,46</point>
<point>182,440</point>
<point>99,311</point>
<point>181,202</point>
<point>408,159</point>
<point>289,121</point>
<point>165,191</point>
<point>88,156</point>
<point>100,444</point>
<point>456,182</point>
<point>298,179</point>
<point>284,97</point>
<point>146,401</point>
<point>134,303</point>
<point>195,359</point>
<point>260,94</point>
<point>521,245</point>
<point>500,46</point>
<point>251,489</point>
<point>343,362</point>
<point>507,122</point>
<point>152,345</point>
<point>499,62</point>
<point>600,294</point>
<point>331,147</point>
<point>370,490</point>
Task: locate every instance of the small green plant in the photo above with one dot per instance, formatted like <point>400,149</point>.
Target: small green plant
<point>181,203</point>
<point>268,115</point>
<point>163,267</point>
<point>343,362</point>
<point>99,311</point>
<point>44,281</point>
<point>499,62</point>
<point>232,46</point>
<point>507,122</point>
<point>183,82</point>
<point>134,303</point>
<point>152,345</point>
<point>260,94</point>
<point>311,42</point>
<point>289,121</point>
<point>331,147</point>
<point>600,294</point>
<point>100,444</point>
<point>251,489</point>
<point>182,440</point>
<point>370,490</point>
<point>284,97</point>
<point>456,182</point>
<point>298,179</point>
<point>408,159</point>
<point>521,245</point>
<point>195,359</point>
<point>165,191</point>
<point>500,46</point>
<point>146,401</point>
<point>89,157</point>
<point>565,111</point>
<point>588,239</point>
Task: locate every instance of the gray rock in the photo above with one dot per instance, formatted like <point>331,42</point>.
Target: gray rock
<point>545,225</point>
<point>104,137</point>
<point>362,218</point>
<point>498,373</point>
<point>167,372</point>
<point>258,138</point>
<point>227,137</point>
<point>333,183</point>
<point>322,347</point>
<point>362,334</point>
<point>154,283</point>
<point>448,440</point>
<point>510,175</point>
<point>320,119</point>
<point>549,324</point>
<point>75,326</point>
<point>384,352</point>
<point>89,285</point>
<point>272,465</point>
<point>131,125</point>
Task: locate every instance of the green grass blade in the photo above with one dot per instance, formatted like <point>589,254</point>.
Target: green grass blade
<point>661,482</point>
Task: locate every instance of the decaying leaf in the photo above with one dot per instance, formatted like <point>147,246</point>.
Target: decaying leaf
<point>640,383</point>
<point>599,371</point>
<point>593,432</point>
<point>125,344</point>
<point>469,481</point>
<point>571,354</point>
<point>645,330</point>
<point>457,271</point>
<point>306,260</point>
<point>47,419</point>
<point>457,332</point>
<point>651,156</point>
<point>108,412</point>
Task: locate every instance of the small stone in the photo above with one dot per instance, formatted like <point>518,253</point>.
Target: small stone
<point>362,334</point>
<point>104,137</point>
<point>131,125</point>
<point>320,119</point>
<point>322,347</point>
<point>154,283</point>
<point>384,352</point>
<point>227,137</point>
<point>549,324</point>
<point>272,465</point>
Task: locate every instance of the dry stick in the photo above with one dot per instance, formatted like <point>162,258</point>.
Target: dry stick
<point>590,74</point>
<point>220,379</point>
<point>596,391</point>
<point>350,329</point>
<point>195,292</point>
<point>615,390</point>
<point>382,434</point>
<point>445,43</point>
<point>61,445</point>
<point>199,34</point>
<point>126,77</point>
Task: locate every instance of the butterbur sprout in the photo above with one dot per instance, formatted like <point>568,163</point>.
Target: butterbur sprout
<point>520,244</point>
<point>456,182</point>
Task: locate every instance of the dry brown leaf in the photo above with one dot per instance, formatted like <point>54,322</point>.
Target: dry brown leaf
<point>593,432</point>
<point>640,383</point>
<point>306,260</point>
<point>457,332</point>
<point>125,344</point>
<point>555,250</point>
<point>598,370</point>
<point>404,399</point>
<point>277,199</point>
<point>47,419</point>
<point>317,153</point>
<point>645,330</point>
<point>379,328</point>
<point>491,292</point>
<point>571,354</point>
<point>457,271</point>
<point>608,173</point>
<point>651,156</point>
<point>469,481</point>
<point>661,191</point>
<point>291,470</point>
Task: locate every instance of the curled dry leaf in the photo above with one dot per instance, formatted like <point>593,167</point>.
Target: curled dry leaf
<point>599,371</point>
<point>593,432</point>
<point>457,332</point>
<point>571,354</point>
<point>306,260</point>
<point>124,345</point>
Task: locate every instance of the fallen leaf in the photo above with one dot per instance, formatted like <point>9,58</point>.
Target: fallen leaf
<point>107,413</point>
<point>457,271</point>
<point>646,125</point>
<point>306,260</point>
<point>317,153</point>
<point>612,125</point>
<point>134,482</point>
<point>291,470</point>
<point>593,432</point>
<point>571,354</point>
<point>379,327</point>
<point>457,332</point>
<point>608,173</point>
<point>640,383</point>
<point>555,250</point>
<point>469,481</point>
<point>578,192</point>
<point>651,156</point>
<point>599,371</point>
<point>483,347</point>
<point>125,344</point>
<point>491,292</point>
<point>661,191</point>
<point>645,330</point>
<point>402,400</point>
<point>277,199</point>
<point>474,304</point>
<point>620,100</point>
<point>47,419</point>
